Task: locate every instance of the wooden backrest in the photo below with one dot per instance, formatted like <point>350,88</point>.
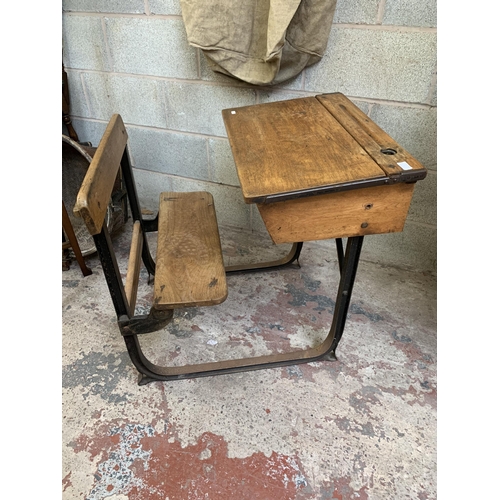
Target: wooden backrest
<point>94,195</point>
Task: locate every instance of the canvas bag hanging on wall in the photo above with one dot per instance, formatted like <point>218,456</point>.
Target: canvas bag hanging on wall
<point>262,42</point>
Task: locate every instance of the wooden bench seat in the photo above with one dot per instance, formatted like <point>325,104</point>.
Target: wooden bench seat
<point>189,265</point>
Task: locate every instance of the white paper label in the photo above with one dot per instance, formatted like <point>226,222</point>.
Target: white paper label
<point>404,165</point>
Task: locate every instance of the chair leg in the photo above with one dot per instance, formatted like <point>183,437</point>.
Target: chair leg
<point>70,233</point>
<point>324,352</point>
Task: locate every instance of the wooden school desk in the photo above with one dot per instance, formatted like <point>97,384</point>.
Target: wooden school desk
<point>316,167</point>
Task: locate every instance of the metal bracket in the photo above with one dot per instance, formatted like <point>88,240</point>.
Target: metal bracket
<point>148,323</point>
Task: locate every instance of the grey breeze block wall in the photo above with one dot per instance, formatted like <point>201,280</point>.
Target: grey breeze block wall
<point>132,57</point>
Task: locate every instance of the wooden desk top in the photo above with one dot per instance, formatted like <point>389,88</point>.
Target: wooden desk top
<point>313,145</point>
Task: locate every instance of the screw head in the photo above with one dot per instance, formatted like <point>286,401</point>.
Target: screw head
<point>364,225</point>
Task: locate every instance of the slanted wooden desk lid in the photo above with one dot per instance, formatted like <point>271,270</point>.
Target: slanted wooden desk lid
<point>314,145</point>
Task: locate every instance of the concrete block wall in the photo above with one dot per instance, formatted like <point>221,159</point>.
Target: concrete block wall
<point>132,57</point>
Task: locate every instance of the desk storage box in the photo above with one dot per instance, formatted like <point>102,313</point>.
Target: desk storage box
<point>319,168</point>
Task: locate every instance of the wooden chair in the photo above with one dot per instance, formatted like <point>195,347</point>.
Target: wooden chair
<point>189,269</point>
<point>69,237</point>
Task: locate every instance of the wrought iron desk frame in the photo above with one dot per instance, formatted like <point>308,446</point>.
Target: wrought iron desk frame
<point>377,163</point>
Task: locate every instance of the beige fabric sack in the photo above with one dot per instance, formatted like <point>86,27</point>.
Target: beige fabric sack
<point>261,42</point>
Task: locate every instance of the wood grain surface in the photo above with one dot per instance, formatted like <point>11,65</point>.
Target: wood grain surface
<point>189,266</point>
<point>293,145</point>
<point>97,186</point>
<point>375,210</point>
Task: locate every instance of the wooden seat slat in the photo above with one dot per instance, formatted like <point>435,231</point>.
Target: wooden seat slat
<point>189,265</point>
<point>134,265</point>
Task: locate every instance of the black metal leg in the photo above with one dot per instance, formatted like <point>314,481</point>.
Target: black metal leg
<point>112,272</point>
<point>128,179</point>
<point>348,276</point>
<point>340,253</point>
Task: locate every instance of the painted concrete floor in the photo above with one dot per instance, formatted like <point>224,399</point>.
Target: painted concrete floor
<point>363,427</point>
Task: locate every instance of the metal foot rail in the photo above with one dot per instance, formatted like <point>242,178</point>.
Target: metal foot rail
<point>150,372</point>
<point>293,255</point>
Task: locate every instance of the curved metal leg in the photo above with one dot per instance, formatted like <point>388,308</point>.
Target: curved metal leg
<point>347,278</point>
<point>151,372</point>
<point>292,255</point>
